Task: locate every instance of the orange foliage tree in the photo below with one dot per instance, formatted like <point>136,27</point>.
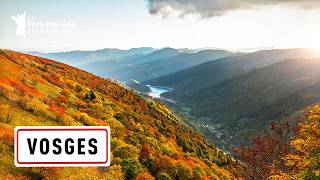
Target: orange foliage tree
<point>266,151</point>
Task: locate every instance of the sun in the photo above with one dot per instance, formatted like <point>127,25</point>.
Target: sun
<point>313,40</point>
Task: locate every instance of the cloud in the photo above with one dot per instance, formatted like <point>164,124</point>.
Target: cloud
<point>209,8</point>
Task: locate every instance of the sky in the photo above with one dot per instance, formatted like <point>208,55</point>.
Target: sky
<point>125,24</point>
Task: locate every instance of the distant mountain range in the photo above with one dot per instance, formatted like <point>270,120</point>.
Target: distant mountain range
<point>140,64</point>
<point>212,72</point>
<point>77,58</point>
<point>156,64</point>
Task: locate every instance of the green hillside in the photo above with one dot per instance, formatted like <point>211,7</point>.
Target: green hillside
<point>251,101</point>
<point>231,98</point>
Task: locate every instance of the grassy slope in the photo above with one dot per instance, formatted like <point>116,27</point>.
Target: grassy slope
<point>38,91</point>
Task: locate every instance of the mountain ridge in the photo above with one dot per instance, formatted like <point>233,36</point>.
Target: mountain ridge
<point>227,95</point>
<point>79,57</point>
<point>153,65</point>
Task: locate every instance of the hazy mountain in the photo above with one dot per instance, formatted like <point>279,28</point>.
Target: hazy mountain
<point>212,72</point>
<point>251,50</point>
<point>137,63</point>
<point>156,64</point>
<point>173,64</point>
<point>77,58</point>
<point>156,55</point>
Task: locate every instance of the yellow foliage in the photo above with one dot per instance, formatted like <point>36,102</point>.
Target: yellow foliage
<point>306,158</point>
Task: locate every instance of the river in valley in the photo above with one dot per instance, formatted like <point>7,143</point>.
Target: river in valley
<point>156,91</point>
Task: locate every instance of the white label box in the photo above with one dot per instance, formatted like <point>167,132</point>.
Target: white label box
<point>61,146</point>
